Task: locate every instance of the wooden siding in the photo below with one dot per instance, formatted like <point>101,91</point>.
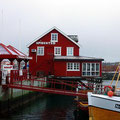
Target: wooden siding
<point>45,63</point>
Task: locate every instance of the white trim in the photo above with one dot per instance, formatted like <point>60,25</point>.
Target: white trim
<point>54,34</point>
<point>79,58</point>
<point>72,51</point>
<point>43,51</point>
<point>55,51</point>
<point>104,101</point>
<point>48,32</point>
<point>73,66</point>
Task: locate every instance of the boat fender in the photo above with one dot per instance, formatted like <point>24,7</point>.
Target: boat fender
<point>107,89</point>
<point>110,93</point>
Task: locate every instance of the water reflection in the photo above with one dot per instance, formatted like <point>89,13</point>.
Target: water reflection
<point>49,107</point>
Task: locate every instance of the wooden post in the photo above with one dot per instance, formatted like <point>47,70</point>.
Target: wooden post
<point>19,65</point>
<point>77,90</point>
<point>0,73</point>
<point>0,64</point>
<point>27,71</point>
<point>25,64</point>
<point>0,77</point>
<point>11,77</point>
<point>12,62</point>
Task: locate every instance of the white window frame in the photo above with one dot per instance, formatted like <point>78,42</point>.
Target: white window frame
<point>95,71</point>
<point>39,53</point>
<point>54,40</point>
<point>56,50</point>
<point>68,51</point>
<point>73,66</point>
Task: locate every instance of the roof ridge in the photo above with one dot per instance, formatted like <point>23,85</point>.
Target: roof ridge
<point>48,32</point>
<point>15,50</point>
<point>5,47</point>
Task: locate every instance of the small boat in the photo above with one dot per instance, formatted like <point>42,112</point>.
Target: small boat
<point>82,101</point>
<point>105,105</point>
<point>83,106</point>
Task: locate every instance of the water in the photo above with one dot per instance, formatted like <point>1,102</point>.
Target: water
<point>107,82</point>
<point>49,107</point>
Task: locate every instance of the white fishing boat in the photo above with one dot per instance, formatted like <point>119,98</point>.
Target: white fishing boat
<point>105,105</point>
<point>102,107</point>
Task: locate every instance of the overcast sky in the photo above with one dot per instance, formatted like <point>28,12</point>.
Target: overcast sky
<point>96,22</point>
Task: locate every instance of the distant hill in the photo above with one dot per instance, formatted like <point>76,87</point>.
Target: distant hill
<point>110,66</point>
<point>108,70</point>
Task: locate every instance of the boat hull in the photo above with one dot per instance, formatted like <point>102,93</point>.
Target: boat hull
<point>102,107</point>
<point>102,114</point>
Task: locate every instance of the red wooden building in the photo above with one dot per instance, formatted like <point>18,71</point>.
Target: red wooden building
<point>55,53</point>
<point>11,59</point>
<point>11,54</point>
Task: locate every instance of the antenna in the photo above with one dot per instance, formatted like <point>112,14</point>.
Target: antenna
<point>19,35</point>
<point>2,26</point>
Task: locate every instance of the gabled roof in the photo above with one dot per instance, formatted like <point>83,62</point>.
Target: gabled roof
<point>50,31</point>
<point>19,53</point>
<point>4,50</point>
<point>9,52</point>
<point>16,51</point>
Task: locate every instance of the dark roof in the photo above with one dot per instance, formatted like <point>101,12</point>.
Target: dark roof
<point>76,58</point>
<point>73,37</point>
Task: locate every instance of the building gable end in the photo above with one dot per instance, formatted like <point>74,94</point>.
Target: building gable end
<point>50,31</point>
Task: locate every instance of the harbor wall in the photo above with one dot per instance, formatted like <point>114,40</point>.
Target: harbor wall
<point>108,76</point>
<point>11,99</point>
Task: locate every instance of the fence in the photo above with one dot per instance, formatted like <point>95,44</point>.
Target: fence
<point>18,75</point>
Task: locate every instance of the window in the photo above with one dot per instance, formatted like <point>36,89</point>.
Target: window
<point>69,51</point>
<point>57,51</point>
<point>54,37</point>
<point>90,69</point>
<point>40,51</point>
<point>73,67</point>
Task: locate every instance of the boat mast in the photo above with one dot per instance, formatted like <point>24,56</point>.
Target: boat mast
<point>117,71</point>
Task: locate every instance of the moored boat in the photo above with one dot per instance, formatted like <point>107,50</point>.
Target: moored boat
<point>106,104</point>
<point>82,101</point>
<point>103,107</point>
<point>83,106</point>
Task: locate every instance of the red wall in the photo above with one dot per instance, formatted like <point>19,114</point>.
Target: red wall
<point>45,63</point>
<point>60,69</point>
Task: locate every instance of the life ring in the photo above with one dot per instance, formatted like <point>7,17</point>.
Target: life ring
<point>107,88</point>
